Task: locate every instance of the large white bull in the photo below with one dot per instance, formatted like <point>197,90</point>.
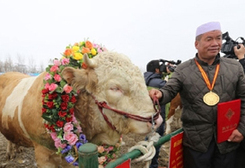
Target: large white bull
<point>110,78</point>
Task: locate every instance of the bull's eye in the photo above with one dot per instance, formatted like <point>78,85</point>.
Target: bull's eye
<point>115,89</point>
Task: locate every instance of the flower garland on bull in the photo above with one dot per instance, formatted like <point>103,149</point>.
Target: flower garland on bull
<point>58,106</point>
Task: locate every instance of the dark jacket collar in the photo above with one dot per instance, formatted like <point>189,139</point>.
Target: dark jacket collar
<point>216,61</point>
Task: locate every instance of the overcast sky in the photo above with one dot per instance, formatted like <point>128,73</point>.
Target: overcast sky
<point>141,29</point>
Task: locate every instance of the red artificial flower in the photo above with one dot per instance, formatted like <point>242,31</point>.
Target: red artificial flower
<point>65,98</point>
<point>68,119</point>
<point>63,106</point>
<point>52,96</point>
<point>62,114</point>
<point>46,126</point>
<point>60,123</point>
<point>44,110</point>
<point>73,99</point>
<point>52,128</point>
<point>44,91</point>
<point>71,111</point>
<point>50,104</point>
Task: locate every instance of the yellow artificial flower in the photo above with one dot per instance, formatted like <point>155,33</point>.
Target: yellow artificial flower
<point>93,51</point>
<point>75,48</point>
<point>78,56</point>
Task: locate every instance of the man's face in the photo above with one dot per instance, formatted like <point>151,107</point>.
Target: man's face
<point>209,45</point>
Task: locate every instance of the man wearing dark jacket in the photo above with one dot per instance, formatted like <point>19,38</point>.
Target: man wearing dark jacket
<point>203,82</point>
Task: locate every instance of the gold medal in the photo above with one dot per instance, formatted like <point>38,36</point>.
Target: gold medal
<point>211,98</point>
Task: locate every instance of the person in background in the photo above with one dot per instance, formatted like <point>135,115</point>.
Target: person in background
<point>239,52</point>
<point>240,155</point>
<point>153,76</point>
<point>154,79</point>
<point>203,82</point>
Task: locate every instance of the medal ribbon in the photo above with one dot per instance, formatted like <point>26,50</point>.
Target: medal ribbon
<point>205,77</point>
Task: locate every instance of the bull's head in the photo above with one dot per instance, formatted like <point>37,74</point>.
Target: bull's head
<point>113,79</point>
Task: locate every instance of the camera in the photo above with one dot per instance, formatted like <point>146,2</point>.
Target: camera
<point>163,66</point>
<point>229,44</point>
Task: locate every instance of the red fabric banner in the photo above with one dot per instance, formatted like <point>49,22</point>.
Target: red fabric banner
<point>126,164</point>
<point>176,151</point>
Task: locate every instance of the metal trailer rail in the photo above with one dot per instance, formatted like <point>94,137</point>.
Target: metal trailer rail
<point>88,156</point>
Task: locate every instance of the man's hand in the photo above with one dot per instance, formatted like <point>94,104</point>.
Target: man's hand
<point>239,52</point>
<point>155,93</point>
<point>236,136</point>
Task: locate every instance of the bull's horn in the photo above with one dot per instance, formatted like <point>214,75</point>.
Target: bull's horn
<point>89,62</point>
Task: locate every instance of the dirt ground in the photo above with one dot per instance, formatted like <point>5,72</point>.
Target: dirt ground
<point>25,158</point>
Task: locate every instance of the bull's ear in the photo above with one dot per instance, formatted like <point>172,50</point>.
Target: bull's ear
<point>68,74</point>
<point>89,62</point>
<point>80,78</point>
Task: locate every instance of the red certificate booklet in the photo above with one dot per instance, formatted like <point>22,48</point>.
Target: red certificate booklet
<point>228,117</point>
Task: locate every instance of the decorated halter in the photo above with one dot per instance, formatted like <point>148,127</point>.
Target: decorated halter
<point>150,119</point>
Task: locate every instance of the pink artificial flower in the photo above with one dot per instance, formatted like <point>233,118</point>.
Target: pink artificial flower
<point>74,119</point>
<point>47,76</point>
<point>54,68</point>
<point>46,86</point>
<point>76,124</point>
<point>56,62</point>
<point>79,129</point>
<point>54,135</point>
<point>58,144</point>
<point>68,127</point>
<point>96,45</point>
<point>67,88</point>
<point>71,138</point>
<point>52,87</point>
<point>57,78</point>
<point>99,50</point>
<point>65,61</point>
<point>110,148</point>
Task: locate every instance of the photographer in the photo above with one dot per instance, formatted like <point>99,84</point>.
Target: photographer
<point>240,162</point>
<point>153,75</point>
<point>239,52</point>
